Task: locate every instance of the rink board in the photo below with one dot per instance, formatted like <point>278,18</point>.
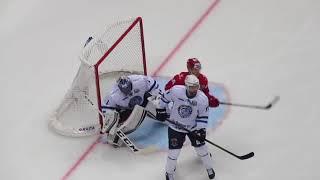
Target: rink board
<point>153,133</point>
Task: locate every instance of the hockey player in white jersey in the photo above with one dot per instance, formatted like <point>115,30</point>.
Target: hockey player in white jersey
<point>124,106</point>
<point>190,109</point>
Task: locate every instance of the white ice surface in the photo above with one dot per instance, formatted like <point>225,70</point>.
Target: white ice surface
<point>257,48</point>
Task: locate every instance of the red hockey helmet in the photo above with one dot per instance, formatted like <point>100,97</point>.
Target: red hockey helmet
<point>193,63</point>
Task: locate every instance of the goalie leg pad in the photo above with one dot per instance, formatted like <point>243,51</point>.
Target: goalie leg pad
<point>114,140</point>
<point>134,121</point>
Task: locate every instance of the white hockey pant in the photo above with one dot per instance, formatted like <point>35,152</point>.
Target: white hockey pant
<point>204,155</point>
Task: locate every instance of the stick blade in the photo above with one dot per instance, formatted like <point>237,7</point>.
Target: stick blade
<point>148,150</point>
<point>247,156</point>
<point>273,102</point>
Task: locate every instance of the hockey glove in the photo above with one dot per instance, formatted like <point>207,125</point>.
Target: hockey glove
<point>213,102</point>
<point>162,115</point>
<point>200,134</point>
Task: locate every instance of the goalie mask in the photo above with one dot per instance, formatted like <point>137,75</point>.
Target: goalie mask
<point>192,85</point>
<point>124,84</point>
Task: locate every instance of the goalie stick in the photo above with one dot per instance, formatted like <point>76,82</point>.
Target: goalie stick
<point>263,107</point>
<point>135,149</point>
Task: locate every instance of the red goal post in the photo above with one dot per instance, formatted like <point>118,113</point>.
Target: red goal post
<point>119,49</point>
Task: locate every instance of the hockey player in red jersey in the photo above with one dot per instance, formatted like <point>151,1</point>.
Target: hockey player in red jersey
<point>194,67</point>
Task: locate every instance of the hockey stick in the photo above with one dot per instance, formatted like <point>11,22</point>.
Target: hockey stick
<point>135,149</point>
<point>130,144</point>
<point>265,107</point>
<point>246,156</point>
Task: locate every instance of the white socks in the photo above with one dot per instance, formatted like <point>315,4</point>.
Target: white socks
<point>173,155</point>
<point>203,153</point>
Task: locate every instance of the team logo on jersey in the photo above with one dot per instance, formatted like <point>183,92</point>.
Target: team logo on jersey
<point>184,111</point>
<point>135,100</point>
<point>174,142</point>
<point>136,90</point>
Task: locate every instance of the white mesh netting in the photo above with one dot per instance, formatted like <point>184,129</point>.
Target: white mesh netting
<point>118,50</point>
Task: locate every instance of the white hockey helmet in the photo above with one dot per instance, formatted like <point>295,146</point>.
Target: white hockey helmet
<point>192,84</point>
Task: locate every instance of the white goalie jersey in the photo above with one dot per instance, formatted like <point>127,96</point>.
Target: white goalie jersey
<point>141,85</point>
<point>190,112</point>
<point>130,105</point>
<point>127,110</point>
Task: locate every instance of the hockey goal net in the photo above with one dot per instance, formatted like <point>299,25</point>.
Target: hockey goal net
<point>118,50</point>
